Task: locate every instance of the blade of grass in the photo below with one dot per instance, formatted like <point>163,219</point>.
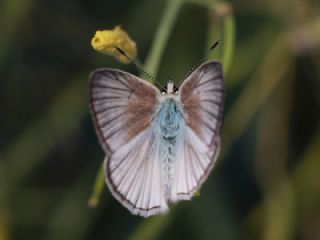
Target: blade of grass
<point>266,79</point>
<point>12,14</point>
<point>36,141</point>
<point>279,204</point>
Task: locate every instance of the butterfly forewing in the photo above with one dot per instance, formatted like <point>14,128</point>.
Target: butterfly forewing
<point>202,97</point>
<point>133,176</point>
<point>123,106</point>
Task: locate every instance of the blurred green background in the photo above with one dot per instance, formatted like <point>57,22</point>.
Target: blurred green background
<point>266,184</point>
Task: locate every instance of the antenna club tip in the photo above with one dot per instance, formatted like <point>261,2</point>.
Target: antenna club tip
<point>119,50</point>
<point>215,44</point>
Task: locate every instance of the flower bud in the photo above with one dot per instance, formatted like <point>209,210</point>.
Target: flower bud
<point>105,42</point>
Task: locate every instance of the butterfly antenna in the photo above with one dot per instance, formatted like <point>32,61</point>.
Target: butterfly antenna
<point>139,67</point>
<point>201,60</point>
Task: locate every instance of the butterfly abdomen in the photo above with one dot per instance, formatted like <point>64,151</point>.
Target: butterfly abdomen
<point>168,128</point>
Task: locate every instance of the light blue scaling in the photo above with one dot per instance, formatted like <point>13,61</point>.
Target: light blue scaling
<point>168,127</point>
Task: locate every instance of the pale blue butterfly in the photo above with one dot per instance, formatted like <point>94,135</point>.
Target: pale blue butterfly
<point>160,147</point>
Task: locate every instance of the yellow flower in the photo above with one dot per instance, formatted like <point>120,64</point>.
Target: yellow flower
<point>105,42</point>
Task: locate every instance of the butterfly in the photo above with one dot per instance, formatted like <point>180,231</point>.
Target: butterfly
<point>160,147</point>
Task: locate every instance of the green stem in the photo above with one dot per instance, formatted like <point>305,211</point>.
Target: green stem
<point>228,41</point>
<point>97,189</point>
<point>162,35</point>
<point>214,33</point>
<point>222,26</point>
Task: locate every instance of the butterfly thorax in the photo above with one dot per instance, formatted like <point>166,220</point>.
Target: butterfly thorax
<point>169,116</point>
<point>168,128</point>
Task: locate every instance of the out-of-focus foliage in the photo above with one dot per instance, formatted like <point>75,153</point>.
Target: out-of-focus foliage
<point>265,185</point>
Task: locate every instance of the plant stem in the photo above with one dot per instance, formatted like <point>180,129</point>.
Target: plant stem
<point>222,26</point>
<point>97,189</point>
<point>229,39</point>
<point>162,35</point>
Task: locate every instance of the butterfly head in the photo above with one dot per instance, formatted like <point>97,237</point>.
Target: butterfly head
<point>170,86</point>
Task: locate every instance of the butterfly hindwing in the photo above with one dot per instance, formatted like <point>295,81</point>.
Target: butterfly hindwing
<point>202,97</point>
<point>122,106</point>
<point>133,176</point>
